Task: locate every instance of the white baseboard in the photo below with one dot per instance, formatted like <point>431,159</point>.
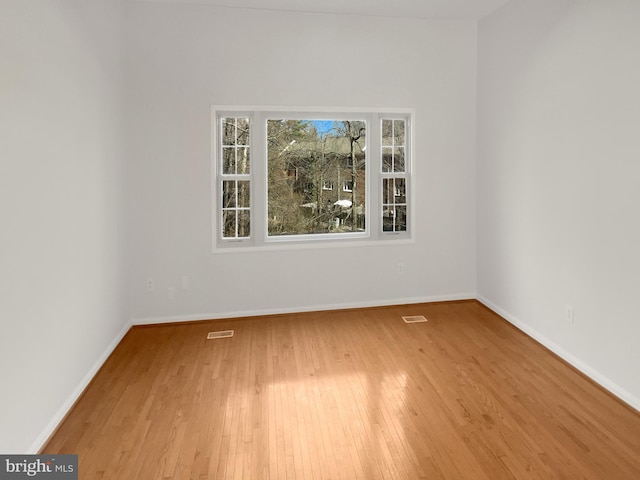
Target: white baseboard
<point>590,372</point>
<point>313,308</point>
<point>70,402</point>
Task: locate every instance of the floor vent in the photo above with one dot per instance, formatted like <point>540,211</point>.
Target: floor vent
<point>415,319</point>
<point>221,334</point>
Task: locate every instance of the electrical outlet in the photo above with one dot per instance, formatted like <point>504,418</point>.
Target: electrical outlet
<point>569,314</point>
<point>400,268</point>
<point>150,284</point>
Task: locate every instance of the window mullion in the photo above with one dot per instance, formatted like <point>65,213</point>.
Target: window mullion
<point>259,175</point>
<point>374,187</point>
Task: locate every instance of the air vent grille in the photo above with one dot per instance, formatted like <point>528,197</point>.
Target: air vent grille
<point>221,334</point>
<point>415,319</point>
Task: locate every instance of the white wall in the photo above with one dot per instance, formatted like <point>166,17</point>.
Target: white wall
<point>62,297</point>
<point>559,176</point>
<point>184,58</point>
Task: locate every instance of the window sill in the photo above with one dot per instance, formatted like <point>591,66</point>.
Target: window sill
<point>313,245</point>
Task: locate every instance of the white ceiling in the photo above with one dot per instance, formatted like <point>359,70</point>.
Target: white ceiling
<point>428,9</point>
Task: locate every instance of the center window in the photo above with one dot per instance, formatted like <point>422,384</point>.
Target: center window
<point>305,159</point>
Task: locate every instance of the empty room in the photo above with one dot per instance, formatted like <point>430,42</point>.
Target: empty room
<point>277,239</point>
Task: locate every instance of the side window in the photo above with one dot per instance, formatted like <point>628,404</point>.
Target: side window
<point>235,180</point>
<point>394,175</point>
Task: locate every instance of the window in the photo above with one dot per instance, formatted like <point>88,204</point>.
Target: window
<point>235,177</point>
<point>317,150</point>
<point>308,177</point>
<point>394,176</point>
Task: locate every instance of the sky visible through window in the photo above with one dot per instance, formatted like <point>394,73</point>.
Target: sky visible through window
<point>323,127</point>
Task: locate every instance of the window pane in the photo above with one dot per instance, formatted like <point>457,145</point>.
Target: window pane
<point>228,160</point>
<point>244,190</point>
<point>387,159</point>
<point>388,214</point>
<point>229,223</point>
<point>398,132</point>
<point>398,159</point>
<point>400,190</point>
<point>387,133</point>
<point>387,191</point>
<point>242,160</point>
<point>244,222</point>
<point>228,194</point>
<point>228,131</point>
<point>242,131</point>
<point>401,219</point>
<point>306,159</point>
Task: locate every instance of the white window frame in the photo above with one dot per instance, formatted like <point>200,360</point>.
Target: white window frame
<point>259,238</point>
<point>394,175</point>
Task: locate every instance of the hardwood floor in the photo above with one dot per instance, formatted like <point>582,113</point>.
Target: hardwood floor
<point>354,394</point>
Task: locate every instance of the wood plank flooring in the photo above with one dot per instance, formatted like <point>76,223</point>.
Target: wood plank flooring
<point>354,394</point>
